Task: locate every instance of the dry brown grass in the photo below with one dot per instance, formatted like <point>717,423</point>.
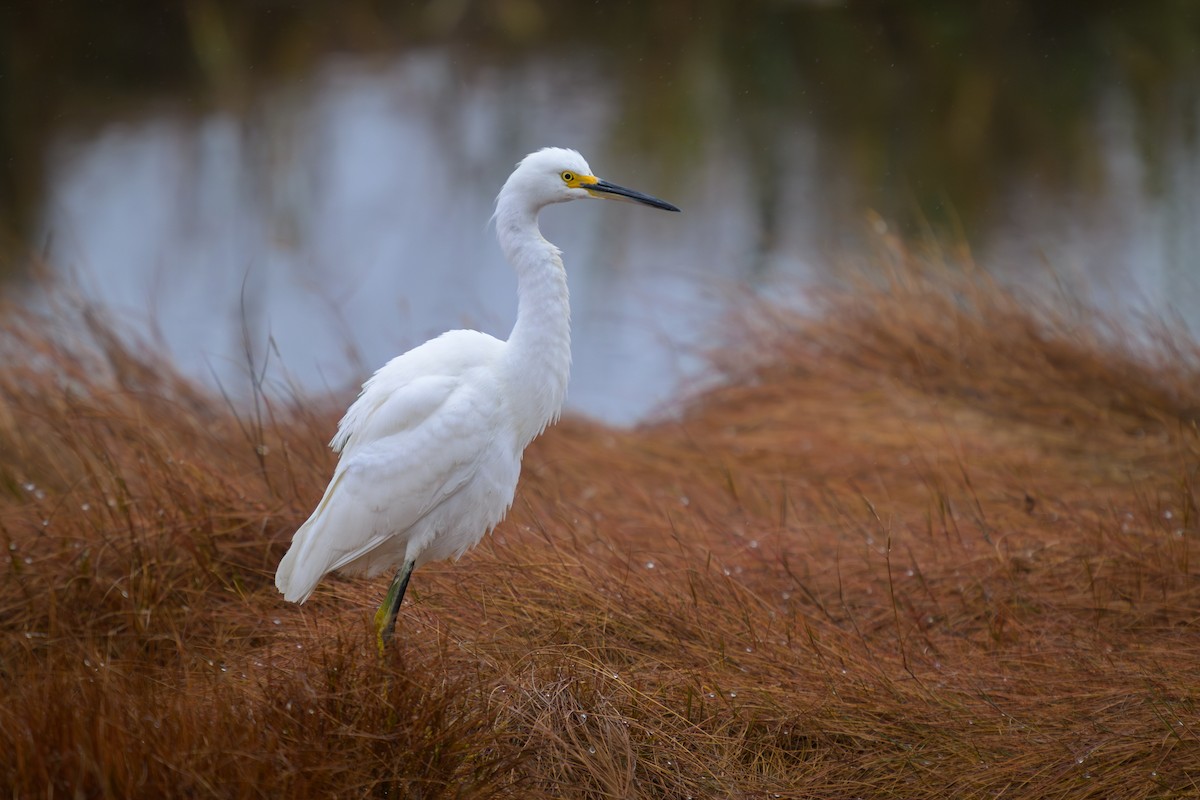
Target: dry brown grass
<point>932,544</point>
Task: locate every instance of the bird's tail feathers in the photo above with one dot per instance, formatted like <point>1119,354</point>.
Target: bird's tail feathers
<point>298,575</point>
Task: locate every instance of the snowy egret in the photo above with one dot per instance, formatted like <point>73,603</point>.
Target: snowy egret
<point>431,449</point>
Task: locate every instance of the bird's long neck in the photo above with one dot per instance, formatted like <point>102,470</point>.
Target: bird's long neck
<point>538,355</point>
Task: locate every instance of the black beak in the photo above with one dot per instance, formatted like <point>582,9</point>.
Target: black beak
<point>621,193</point>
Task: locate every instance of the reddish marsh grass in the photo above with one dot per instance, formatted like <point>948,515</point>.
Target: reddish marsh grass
<point>931,544</point>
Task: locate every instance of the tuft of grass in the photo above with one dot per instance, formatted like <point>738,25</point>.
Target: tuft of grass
<point>935,541</point>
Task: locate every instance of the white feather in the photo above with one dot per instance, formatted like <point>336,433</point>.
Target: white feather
<point>425,429</point>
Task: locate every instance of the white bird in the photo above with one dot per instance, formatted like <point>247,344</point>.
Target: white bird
<point>431,449</point>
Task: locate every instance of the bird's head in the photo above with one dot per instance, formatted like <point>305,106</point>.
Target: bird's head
<point>556,175</point>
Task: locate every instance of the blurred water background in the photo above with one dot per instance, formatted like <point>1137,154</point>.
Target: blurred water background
<point>313,180</point>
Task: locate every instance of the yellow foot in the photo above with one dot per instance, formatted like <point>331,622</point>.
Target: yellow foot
<point>385,617</point>
<point>380,620</point>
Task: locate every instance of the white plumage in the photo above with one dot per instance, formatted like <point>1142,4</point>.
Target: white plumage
<point>431,449</point>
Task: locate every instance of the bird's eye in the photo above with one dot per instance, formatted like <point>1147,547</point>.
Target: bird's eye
<point>568,176</point>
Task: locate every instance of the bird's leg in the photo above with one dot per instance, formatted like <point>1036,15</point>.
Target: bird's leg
<point>385,617</point>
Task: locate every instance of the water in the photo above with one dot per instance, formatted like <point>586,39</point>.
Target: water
<point>336,215</point>
<point>347,215</point>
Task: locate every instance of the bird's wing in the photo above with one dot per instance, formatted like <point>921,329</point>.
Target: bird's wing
<point>390,405</point>
<point>411,387</point>
<point>406,451</point>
